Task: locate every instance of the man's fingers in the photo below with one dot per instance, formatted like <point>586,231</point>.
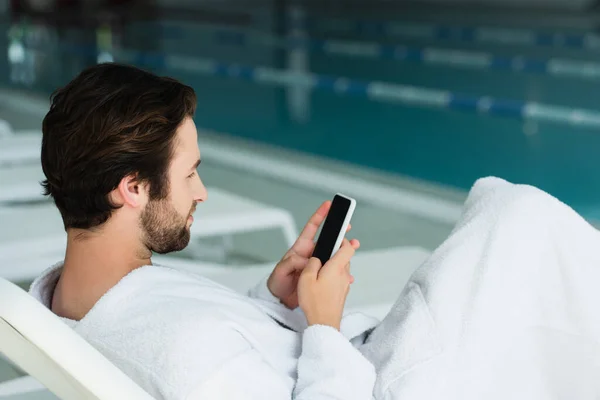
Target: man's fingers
<point>297,262</point>
<point>312,226</point>
<point>344,254</point>
<point>354,243</point>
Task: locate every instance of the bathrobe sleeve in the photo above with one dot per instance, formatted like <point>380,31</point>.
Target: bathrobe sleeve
<point>329,368</point>
<point>261,291</point>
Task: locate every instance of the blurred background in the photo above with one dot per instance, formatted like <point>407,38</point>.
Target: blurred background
<point>400,104</point>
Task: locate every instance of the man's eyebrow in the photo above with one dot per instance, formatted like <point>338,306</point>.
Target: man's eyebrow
<point>196,164</point>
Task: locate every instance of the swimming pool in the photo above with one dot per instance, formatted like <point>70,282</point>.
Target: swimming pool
<point>440,145</point>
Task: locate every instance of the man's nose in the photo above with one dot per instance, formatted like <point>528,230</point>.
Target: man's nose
<point>201,194</point>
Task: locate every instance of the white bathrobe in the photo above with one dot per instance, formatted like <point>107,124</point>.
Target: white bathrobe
<point>181,336</point>
<point>505,308</point>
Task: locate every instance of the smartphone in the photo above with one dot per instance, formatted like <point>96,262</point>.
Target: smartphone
<point>334,228</point>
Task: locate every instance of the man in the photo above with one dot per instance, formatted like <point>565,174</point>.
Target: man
<point>120,153</point>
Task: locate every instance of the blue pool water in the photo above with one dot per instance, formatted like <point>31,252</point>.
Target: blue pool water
<point>446,147</point>
<point>452,148</point>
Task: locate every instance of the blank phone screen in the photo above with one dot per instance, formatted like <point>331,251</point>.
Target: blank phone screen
<point>331,228</point>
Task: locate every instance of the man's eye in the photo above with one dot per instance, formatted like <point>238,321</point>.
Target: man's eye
<point>192,174</point>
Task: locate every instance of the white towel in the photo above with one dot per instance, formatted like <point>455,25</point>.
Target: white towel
<point>507,308</point>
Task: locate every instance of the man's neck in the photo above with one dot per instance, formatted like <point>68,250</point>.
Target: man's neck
<point>94,263</point>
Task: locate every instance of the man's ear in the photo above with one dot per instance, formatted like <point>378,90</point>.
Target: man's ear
<point>130,192</point>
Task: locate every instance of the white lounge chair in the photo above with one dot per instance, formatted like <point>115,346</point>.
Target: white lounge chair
<point>29,231</point>
<point>39,343</point>
<point>6,129</point>
<point>53,354</point>
<point>36,230</point>
<point>224,214</point>
<point>19,148</point>
<point>21,183</point>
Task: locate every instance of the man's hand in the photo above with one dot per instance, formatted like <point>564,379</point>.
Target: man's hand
<point>283,281</point>
<point>322,289</point>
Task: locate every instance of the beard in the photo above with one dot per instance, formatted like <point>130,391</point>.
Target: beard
<point>164,229</point>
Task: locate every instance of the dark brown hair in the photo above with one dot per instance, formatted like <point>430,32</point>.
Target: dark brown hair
<point>109,122</point>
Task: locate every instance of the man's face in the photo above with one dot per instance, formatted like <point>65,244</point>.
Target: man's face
<point>166,223</point>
